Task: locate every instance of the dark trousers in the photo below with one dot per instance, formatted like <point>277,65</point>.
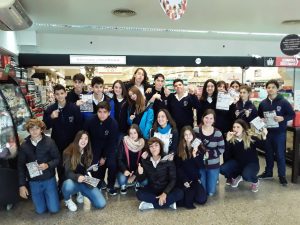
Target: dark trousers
<point>111,166</point>
<point>275,146</point>
<point>232,169</point>
<point>149,195</point>
<point>194,194</point>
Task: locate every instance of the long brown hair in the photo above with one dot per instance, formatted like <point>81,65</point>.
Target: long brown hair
<point>182,153</point>
<point>145,81</point>
<point>73,152</point>
<point>140,100</point>
<point>169,118</point>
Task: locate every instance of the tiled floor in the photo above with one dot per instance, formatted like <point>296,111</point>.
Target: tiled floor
<point>272,204</point>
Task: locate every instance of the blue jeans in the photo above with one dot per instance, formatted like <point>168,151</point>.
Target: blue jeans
<point>231,169</point>
<point>209,178</point>
<point>71,187</point>
<point>149,195</point>
<point>44,195</point>
<point>122,180</point>
<point>275,144</point>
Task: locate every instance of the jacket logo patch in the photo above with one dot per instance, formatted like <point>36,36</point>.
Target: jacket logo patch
<point>185,103</point>
<point>71,119</point>
<point>106,132</point>
<point>278,108</point>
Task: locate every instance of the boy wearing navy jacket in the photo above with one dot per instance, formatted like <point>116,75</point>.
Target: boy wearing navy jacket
<point>103,131</point>
<point>181,104</point>
<point>65,120</point>
<point>276,137</point>
<point>78,83</point>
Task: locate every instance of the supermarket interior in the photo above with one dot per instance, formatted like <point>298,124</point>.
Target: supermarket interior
<point>111,39</point>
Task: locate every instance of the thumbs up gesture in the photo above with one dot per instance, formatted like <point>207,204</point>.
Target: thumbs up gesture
<point>140,169</point>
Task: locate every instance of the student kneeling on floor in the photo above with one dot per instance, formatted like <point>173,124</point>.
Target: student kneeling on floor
<point>160,172</point>
<point>42,154</point>
<point>78,157</point>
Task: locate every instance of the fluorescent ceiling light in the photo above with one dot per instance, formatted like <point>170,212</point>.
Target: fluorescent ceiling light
<point>151,29</point>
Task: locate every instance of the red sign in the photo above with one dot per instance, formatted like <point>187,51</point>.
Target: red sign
<point>287,61</point>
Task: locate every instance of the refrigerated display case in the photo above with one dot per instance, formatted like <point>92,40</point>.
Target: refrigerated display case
<point>14,105</point>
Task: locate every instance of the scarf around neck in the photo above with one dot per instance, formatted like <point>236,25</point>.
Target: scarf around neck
<point>134,146</point>
<point>165,129</point>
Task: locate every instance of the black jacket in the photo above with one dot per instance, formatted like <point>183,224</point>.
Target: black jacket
<point>73,97</point>
<point>128,160</point>
<point>160,179</point>
<point>80,170</point>
<point>158,104</point>
<point>65,127</point>
<point>240,108</point>
<point>45,152</point>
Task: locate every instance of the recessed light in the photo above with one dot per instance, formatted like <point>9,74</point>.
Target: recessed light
<point>290,22</point>
<point>123,12</point>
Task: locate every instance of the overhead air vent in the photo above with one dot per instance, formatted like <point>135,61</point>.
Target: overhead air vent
<point>13,17</point>
<point>123,12</point>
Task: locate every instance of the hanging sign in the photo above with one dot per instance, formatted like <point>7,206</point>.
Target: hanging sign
<point>290,45</point>
<point>287,62</point>
<point>174,9</point>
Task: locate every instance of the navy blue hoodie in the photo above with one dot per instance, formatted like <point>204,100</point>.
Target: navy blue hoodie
<point>103,136</point>
<point>282,108</point>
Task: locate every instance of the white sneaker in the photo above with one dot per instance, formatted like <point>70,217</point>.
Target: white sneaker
<point>173,206</point>
<point>71,205</point>
<point>79,198</point>
<point>145,206</point>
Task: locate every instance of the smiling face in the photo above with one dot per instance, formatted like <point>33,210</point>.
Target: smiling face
<point>133,134</point>
<point>188,136</point>
<point>159,83</point>
<point>132,96</point>
<point>210,88</point>
<point>272,89</point>
<point>83,141</point>
<point>60,96</point>
<point>179,88</point>
<point>117,89</point>
<point>162,119</point>
<point>208,120</point>
<point>35,132</point>
<point>154,149</point>
<point>237,129</point>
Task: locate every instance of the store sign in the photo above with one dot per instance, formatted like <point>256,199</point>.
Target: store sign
<point>290,45</point>
<point>269,61</point>
<point>174,9</point>
<point>97,60</point>
<point>287,62</point>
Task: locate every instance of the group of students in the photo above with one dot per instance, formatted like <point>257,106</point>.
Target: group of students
<point>144,137</point>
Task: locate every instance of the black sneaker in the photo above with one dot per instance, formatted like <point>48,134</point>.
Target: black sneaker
<point>265,176</point>
<point>123,190</point>
<point>102,185</point>
<point>283,181</point>
<point>111,191</point>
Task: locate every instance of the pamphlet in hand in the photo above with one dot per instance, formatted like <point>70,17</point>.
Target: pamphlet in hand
<point>91,181</point>
<point>93,167</point>
<point>258,123</point>
<point>87,106</point>
<point>269,119</point>
<point>224,100</point>
<point>33,169</point>
<point>195,143</point>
